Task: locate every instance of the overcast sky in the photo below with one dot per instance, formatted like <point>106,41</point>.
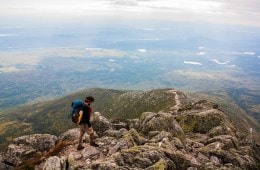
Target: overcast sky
<point>241,12</point>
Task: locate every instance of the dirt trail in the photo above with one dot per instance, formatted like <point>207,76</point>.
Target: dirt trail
<point>177,101</point>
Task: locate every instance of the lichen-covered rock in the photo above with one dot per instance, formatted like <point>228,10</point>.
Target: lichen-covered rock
<point>222,130</point>
<point>100,123</point>
<point>162,165</point>
<point>71,135</point>
<point>162,135</point>
<point>204,104</point>
<point>40,142</point>
<point>138,139</point>
<point>180,160</point>
<point>53,162</point>
<point>232,157</point>
<point>160,122</point>
<point>200,121</point>
<point>205,118</point>
<point>227,141</point>
<point>17,154</point>
<point>3,165</point>
<point>26,147</point>
<point>133,123</point>
<point>106,165</point>
<point>74,160</point>
<point>177,143</point>
<point>116,133</point>
<point>140,157</point>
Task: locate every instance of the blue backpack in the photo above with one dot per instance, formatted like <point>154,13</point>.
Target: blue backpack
<point>76,105</point>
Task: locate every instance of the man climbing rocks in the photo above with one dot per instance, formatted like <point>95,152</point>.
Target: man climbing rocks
<point>84,122</point>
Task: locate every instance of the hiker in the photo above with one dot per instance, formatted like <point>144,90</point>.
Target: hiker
<point>84,122</point>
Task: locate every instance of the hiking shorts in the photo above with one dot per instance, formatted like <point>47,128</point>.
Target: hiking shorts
<point>84,128</point>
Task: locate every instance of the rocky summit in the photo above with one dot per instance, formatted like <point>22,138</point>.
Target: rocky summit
<point>192,135</point>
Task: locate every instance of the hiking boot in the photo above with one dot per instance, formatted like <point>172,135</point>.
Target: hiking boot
<point>94,144</point>
<point>80,147</point>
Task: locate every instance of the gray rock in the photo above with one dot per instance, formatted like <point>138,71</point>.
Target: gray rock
<point>133,123</point>
<point>105,165</point>
<point>3,165</point>
<point>219,130</point>
<point>100,123</point>
<point>227,140</point>
<point>215,160</point>
<point>202,158</point>
<point>177,143</point>
<point>137,138</point>
<point>161,136</point>
<point>26,147</point>
<point>71,135</point>
<point>40,142</point>
<point>17,154</point>
<point>160,122</point>
<point>116,133</point>
<point>200,121</point>
<point>139,157</point>
<point>52,163</point>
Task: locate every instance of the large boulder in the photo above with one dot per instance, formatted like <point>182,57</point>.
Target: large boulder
<point>201,121</point>
<point>204,117</point>
<point>40,142</point>
<point>141,157</point>
<point>3,165</point>
<point>26,147</point>
<point>53,162</point>
<point>220,156</point>
<point>71,135</point>
<point>150,121</point>
<point>100,123</point>
<point>227,141</point>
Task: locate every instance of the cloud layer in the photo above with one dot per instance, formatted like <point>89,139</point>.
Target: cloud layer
<point>222,11</point>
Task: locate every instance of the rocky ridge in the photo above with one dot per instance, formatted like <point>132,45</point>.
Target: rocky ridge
<point>192,135</point>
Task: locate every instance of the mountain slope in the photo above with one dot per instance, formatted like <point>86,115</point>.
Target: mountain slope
<point>52,116</point>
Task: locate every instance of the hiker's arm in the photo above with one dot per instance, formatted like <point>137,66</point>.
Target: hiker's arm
<point>80,116</point>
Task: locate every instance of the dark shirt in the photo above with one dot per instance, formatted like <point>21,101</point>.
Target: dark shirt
<point>86,115</point>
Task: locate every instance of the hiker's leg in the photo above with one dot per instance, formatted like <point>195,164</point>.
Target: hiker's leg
<point>82,128</point>
<point>90,132</point>
<point>92,137</point>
